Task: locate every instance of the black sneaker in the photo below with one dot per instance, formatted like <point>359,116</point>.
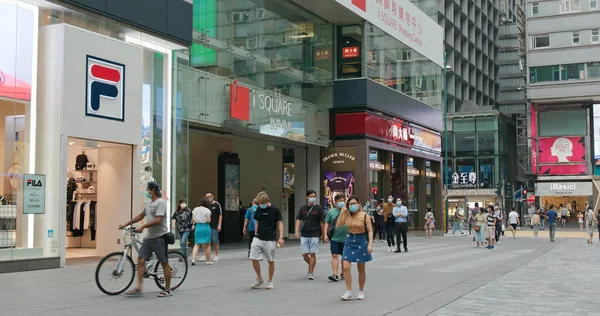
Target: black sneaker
<point>397,251</point>
<point>333,278</point>
<point>342,276</point>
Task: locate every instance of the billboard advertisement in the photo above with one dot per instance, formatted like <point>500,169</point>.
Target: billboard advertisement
<point>337,182</point>
<point>561,149</point>
<point>17,23</point>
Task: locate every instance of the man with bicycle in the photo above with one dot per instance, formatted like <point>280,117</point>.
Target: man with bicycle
<point>156,212</point>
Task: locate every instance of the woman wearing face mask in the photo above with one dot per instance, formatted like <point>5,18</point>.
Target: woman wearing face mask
<point>202,236</point>
<point>337,236</point>
<point>358,246</point>
<point>250,223</point>
<point>183,223</point>
<point>390,224</point>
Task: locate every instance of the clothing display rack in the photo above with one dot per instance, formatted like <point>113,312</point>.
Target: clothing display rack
<point>82,209</point>
<point>8,225</point>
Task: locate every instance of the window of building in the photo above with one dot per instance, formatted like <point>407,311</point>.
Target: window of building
<point>535,9</point>
<point>569,6</point>
<point>593,4</point>
<point>572,71</point>
<point>260,14</point>
<point>487,142</point>
<point>562,123</point>
<point>540,41</point>
<point>406,55</point>
<point>576,39</point>
<point>464,144</point>
<point>240,16</point>
<point>595,36</point>
<point>593,70</point>
<point>544,74</point>
<point>487,172</point>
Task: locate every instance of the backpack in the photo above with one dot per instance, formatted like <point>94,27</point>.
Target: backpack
<point>331,227</point>
<point>81,162</point>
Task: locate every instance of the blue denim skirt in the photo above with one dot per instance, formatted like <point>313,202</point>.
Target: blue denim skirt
<point>356,248</point>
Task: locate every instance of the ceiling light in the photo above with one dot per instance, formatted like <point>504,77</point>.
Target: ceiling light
<point>71,143</point>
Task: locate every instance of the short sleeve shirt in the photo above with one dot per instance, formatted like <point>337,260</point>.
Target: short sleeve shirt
<point>201,215</point>
<point>312,221</point>
<point>267,223</point>
<point>251,221</point>
<point>340,233</point>
<point>215,210</point>
<point>551,216</point>
<point>184,220</point>
<point>513,217</point>
<point>154,209</point>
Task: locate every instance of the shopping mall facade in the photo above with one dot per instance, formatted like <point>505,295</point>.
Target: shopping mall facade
<point>231,97</point>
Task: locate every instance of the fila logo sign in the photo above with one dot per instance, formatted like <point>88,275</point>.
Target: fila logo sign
<point>105,89</point>
<point>34,183</point>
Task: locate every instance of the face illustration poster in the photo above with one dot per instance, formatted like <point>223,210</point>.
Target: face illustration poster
<point>337,182</point>
<point>562,149</point>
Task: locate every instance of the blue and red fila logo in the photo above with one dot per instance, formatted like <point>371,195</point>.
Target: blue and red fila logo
<point>105,89</point>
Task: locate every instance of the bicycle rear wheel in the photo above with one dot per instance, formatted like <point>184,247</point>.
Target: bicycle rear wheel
<point>115,273</point>
<point>179,269</point>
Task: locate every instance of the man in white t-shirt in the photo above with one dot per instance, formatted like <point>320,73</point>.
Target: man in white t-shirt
<point>514,221</point>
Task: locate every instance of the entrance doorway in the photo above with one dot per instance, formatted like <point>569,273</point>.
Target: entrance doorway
<point>99,196</point>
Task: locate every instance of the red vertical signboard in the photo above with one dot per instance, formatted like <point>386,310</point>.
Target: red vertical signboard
<point>239,102</point>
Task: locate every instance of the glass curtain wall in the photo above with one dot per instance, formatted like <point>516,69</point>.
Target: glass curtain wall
<point>393,64</point>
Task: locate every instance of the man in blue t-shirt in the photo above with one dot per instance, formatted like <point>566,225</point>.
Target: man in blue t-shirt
<point>552,215</point>
<point>250,224</point>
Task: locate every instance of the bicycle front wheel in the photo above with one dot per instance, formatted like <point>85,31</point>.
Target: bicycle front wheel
<point>115,273</point>
<point>179,269</point>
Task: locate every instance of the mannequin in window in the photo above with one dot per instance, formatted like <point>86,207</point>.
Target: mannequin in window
<point>13,175</point>
<point>144,180</point>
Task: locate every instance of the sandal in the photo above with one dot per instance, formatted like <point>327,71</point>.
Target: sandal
<point>165,293</point>
<point>134,292</point>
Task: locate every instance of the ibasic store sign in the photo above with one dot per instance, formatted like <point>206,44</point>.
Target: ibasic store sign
<point>405,22</point>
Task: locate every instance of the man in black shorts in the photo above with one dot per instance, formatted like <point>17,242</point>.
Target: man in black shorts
<point>156,212</point>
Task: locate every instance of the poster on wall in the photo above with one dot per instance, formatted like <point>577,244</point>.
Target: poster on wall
<point>16,55</point>
<point>561,149</point>
<point>34,194</point>
<point>232,187</point>
<point>337,182</point>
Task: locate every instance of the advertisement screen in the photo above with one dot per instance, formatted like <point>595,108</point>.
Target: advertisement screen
<point>16,51</point>
<point>596,131</point>
<point>337,182</point>
<point>561,149</point>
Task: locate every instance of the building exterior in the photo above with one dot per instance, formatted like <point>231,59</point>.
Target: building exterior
<point>564,71</point>
<point>79,79</point>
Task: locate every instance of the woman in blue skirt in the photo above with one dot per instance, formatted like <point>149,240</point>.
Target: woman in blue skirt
<point>201,228</point>
<point>358,246</point>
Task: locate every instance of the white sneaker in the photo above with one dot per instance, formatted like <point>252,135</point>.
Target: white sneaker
<point>464,234</point>
<point>347,296</point>
<point>215,259</point>
<point>360,296</point>
<point>311,276</point>
<point>498,242</point>
<point>269,285</point>
<point>202,259</point>
<point>391,249</point>
<point>208,263</point>
<point>257,284</point>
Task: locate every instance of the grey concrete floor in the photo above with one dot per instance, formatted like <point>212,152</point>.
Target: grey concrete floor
<point>442,276</point>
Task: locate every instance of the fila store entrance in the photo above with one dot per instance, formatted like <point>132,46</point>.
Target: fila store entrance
<point>99,186</point>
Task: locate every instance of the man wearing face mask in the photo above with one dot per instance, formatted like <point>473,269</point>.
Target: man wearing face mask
<point>337,235</point>
<point>388,219</point>
<point>400,213</point>
<point>309,228</point>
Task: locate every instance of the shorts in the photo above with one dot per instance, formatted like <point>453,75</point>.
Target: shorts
<point>156,245</point>
<point>491,232</point>
<point>514,226</point>
<point>337,248</point>
<point>263,249</point>
<point>310,244</point>
<point>214,236</point>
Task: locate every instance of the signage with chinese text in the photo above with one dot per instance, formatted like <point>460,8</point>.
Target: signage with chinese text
<point>412,171</point>
<point>34,194</point>
<point>376,165</point>
<point>464,180</point>
<point>322,54</point>
<point>405,22</point>
<point>351,52</point>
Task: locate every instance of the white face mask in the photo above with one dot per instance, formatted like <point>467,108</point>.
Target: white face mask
<point>183,205</point>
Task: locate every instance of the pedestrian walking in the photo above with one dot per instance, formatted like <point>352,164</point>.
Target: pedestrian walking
<point>250,224</point>
<point>479,225</point>
<point>563,214</point>
<point>400,213</point>
<point>473,212</point>
<point>514,221</point>
<point>309,229</point>
<point>580,220</point>
<point>535,221</point>
<point>336,236</point>
<point>542,218</point>
<point>268,223</point>
<point>552,215</point>
<point>499,218</point>
<point>358,246</point>
<point>388,218</point>
<point>201,217</point>
<point>183,225</point>
<point>429,223</point>
<point>216,222</point>
<point>379,224</point>
<point>458,223</point>
<point>590,220</point>
<point>491,227</point>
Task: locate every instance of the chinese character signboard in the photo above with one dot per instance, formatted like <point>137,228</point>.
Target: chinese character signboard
<point>405,22</point>
<point>34,194</point>
<point>322,54</point>
<point>464,180</point>
<point>351,52</point>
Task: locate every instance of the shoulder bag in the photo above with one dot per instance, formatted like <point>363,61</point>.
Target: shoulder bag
<point>305,218</point>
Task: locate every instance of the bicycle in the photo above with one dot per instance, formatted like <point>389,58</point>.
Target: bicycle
<point>120,265</point>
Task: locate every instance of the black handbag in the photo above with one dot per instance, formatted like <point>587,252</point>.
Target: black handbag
<point>169,238</point>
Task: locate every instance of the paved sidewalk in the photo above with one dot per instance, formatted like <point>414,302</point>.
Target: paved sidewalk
<point>563,281</point>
